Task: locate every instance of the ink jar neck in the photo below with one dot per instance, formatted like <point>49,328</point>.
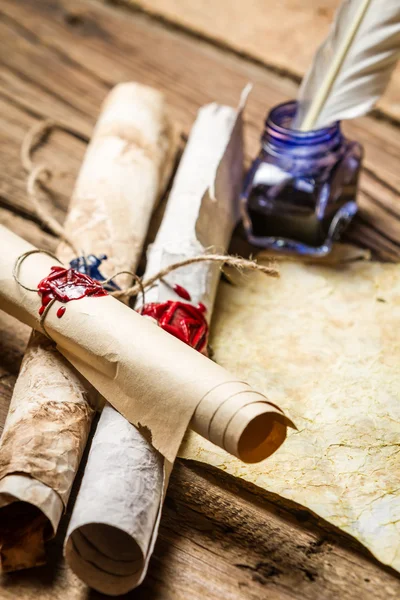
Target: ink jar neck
<point>301,152</point>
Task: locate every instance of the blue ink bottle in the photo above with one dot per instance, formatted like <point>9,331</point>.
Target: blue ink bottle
<point>300,192</point>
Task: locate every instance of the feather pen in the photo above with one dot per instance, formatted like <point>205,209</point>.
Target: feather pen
<point>352,68</point>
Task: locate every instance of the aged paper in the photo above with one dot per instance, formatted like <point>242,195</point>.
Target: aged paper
<point>122,177</point>
<point>324,342</point>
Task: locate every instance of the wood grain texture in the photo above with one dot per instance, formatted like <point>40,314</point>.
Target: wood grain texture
<point>219,538</point>
<point>60,58</point>
<point>282,35</point>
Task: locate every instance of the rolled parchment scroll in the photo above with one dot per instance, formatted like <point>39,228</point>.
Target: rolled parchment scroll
<point>115,519</point>
<point>125,169</point>
<point>153,379</point>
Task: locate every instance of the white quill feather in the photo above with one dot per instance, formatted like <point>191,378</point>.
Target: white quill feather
<point>352,68</point>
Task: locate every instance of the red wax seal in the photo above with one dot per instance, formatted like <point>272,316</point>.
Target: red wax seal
<point>182,292</point>
<point>65,285</point>
<point>185,321</point>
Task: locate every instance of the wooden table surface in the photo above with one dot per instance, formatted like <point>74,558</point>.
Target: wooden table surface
<point>219,538</point>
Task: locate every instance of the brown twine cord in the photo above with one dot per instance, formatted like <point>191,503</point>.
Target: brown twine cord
<point>16,268</point>
<point>36,135</point>
<point>25,255</point>
<point>21,259</point>
<point>39,175</point>
<point>231,261</point>
<point>140,287</point>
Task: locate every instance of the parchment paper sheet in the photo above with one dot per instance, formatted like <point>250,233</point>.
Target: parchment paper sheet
<point>325,343</point>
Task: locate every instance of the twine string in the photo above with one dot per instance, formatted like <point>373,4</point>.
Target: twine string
<point>21,259</point>
<point>16,269</point>
<point>236,262</point>
<point>39,176</point>
<point>139,287</point>
<point>24,256</point>
<point>43,317</point>
<point>37,134</point>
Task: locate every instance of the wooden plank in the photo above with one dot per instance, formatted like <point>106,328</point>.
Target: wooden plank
<point>61,57</point>
<point>282,35</point>
<point>124,48</point>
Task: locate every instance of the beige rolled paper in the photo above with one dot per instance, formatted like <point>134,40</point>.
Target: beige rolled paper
<point>116,515</point>
<point>149,376</point>
<point>125,169</point>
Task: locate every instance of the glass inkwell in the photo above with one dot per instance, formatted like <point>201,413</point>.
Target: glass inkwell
<point>300,192</point>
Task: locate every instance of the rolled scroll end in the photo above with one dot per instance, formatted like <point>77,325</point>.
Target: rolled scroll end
<point>22,547</point>
<point>42,443</point>
<point>241,421</point>
<point>115,518</point>
<point>264,433</point>
<point>105,557</point>
<point>29,514</point>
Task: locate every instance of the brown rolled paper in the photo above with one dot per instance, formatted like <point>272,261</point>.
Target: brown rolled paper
<point>125,169</point>
<point>240,425</point>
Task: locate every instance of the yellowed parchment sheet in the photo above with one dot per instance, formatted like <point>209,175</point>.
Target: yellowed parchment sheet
<point>325,343</point>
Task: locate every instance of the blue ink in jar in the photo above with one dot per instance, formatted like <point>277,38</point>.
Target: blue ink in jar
<point>300,192</point>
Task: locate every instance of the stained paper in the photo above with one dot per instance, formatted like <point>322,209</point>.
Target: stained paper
<point>324,341</point>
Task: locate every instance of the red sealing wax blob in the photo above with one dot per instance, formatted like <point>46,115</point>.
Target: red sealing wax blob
<point>185,321</point>
<point>182,292</point>
<point>65,285</point>
<point>201,307</point>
